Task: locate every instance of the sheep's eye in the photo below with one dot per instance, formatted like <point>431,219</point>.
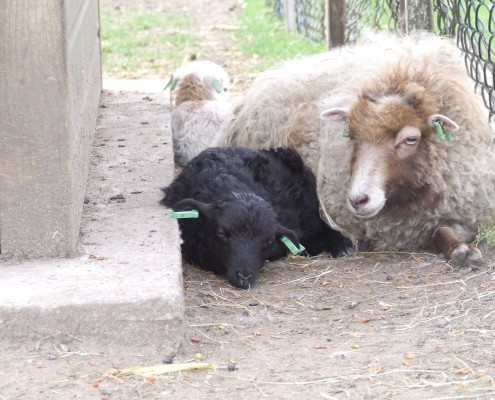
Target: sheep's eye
<point>222,233</point>
<point>225,89</point>
<point>411,140</point>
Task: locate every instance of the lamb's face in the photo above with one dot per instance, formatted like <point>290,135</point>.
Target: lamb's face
<point>246,234</point>
<point>199,81</point>
<point>237,236</point>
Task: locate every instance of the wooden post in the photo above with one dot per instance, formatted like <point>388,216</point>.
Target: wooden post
<point>415,15</point>
<point>334,23</point>
<point>290,15</point>
<point>50,83</point>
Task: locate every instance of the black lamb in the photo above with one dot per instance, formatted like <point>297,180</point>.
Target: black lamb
<point>247,201</point>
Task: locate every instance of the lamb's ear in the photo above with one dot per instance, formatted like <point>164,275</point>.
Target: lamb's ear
<point>217,85</point>
<point>448,124</point>
<point>283,231</point>
<point>193,204</point>
<point>172,83</point>
<point>335,114</point>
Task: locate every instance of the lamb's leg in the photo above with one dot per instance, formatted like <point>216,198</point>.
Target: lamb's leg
<point>447,242</point>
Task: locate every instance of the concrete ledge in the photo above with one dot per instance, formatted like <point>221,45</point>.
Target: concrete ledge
<point>125,288</point>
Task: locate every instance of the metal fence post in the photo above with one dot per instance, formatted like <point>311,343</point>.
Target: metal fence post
<point>334,22</point>
<point>415,15</point>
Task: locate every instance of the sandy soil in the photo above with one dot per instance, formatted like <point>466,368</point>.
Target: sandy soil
<point>371,326</point>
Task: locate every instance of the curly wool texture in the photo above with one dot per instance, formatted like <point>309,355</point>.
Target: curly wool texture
<point>200,104</point>
<point>283,108</point>
<point>249,198</point>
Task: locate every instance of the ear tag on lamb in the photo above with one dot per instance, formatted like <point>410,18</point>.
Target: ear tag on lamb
<point>172,83</point>
<point>291,246</point>
<point>441,132</point>
<point>217,85</point>
<point>183,214</point>
<point>346,128</point>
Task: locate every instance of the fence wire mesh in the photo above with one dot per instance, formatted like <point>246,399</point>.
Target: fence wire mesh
<point>310,17</point>
<point>471,22</point>
<point>375,15</point>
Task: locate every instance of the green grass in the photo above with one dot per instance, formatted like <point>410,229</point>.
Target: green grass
<point>263,35</point>
<point>135,39</point>
<point>486,235</point>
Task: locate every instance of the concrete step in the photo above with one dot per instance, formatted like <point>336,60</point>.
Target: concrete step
<point>125,288</point>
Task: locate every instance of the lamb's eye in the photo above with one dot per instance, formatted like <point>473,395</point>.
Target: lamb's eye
<point>222,233</point>
<point>411,140</point>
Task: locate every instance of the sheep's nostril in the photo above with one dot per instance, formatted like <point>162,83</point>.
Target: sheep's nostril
<point>359,200</point>
<point>244,277</point>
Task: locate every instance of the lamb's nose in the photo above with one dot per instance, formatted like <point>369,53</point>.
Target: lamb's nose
<point>358,201</point>
<point>244,279</point>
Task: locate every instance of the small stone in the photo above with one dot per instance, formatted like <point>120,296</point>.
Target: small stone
<point>231,366</point>
<point>254,303</point>
<point>168,360</point>
<point>354,304</point>
<point>118,196</point>
<point>339,355</point>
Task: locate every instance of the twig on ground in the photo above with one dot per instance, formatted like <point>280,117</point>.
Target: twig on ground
<point>295,383</point>
<point>465,364</point>
<point>260,390</point>
<point>487,315</point>
<point>209,338</point>
<point>316,277</point>
<point>159,369</point>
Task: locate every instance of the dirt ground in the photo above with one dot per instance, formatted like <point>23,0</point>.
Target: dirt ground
<point>370,326</point>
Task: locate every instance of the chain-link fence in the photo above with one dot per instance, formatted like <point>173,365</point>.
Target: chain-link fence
<point>471,22</point>
<point>375,15</point>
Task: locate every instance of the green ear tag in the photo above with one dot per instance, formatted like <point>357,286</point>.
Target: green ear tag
<point>291,246</point>
<point>346,128</point>
<point>172,83</point>
<point>183,214</point>
<point>441,132</point>
<point>217,85</point>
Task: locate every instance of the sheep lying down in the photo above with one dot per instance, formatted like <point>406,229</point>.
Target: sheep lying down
<point>248,202</point>
<point>200,103</point>
<point>400,144</point>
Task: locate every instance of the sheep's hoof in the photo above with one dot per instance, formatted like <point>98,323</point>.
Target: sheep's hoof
<point>463,255</point>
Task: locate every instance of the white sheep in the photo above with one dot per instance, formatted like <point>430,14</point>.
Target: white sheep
<point>200,103</point>
<point>390,182</point>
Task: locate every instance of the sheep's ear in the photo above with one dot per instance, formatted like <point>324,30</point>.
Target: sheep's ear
<point>335,114</point>
<point>193,204</point>
<point>283,231</point>
<point>448,124</point>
